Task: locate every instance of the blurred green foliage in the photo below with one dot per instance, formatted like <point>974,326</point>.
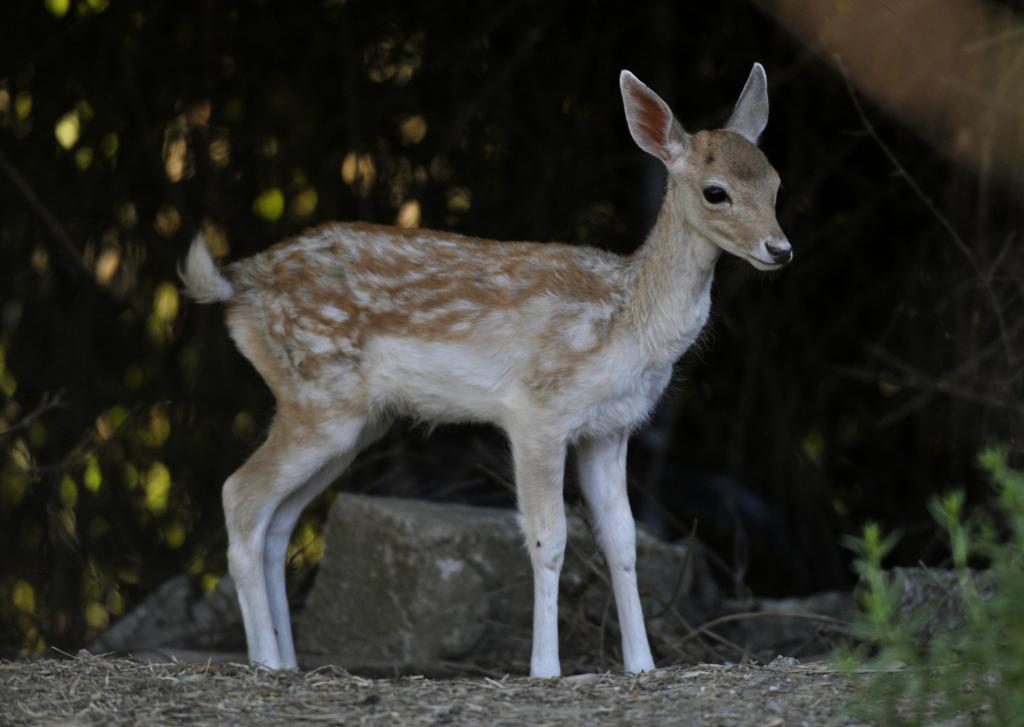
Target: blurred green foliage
<point>975,670</point>
<point>854,384</point>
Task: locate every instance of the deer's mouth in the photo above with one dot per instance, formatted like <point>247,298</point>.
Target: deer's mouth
<point>765,264</point>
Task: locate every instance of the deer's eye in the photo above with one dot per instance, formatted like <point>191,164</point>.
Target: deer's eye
<point>715,194</point>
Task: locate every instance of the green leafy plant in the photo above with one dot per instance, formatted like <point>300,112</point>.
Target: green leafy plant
<point>972,668</point>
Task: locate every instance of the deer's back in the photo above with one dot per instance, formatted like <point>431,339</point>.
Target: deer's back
<point>410,318</point>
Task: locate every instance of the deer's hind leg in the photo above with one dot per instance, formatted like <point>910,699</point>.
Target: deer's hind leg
<point>262,500</point>
<point>279,532</point>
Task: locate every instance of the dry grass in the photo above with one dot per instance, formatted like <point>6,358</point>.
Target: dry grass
<point>91,690</point>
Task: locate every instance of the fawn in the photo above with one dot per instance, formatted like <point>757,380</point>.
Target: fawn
<point>352,325</point>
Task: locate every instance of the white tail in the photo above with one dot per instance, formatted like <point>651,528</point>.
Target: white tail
<point>354,325</point>
<point>203,282</point>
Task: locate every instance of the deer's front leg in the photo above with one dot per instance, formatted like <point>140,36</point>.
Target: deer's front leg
<point>539,469</point>
<point>602,471</point>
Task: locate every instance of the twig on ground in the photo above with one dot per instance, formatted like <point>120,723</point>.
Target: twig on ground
<point>706,628</point>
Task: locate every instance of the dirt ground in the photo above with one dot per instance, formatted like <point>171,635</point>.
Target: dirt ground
<point>92,690</point>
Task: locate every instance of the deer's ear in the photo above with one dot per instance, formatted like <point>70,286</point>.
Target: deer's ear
<point>651,123</point>
<point>750,115</point>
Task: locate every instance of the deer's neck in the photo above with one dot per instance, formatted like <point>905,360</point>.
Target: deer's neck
<point>670,277</point>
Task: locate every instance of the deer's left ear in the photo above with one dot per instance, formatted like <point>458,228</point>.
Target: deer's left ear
<point>750,116</point>
<point>650,120</point>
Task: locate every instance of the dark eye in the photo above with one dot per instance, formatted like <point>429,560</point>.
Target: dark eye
<point>715,194</point>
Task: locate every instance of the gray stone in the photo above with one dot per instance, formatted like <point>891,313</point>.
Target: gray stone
<point>411,584</point>
<point>177,614</point>
<point>934,598</point>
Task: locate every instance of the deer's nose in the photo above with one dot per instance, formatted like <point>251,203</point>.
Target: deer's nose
<point>781,252</point>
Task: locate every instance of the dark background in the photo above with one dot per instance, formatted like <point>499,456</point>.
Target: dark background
<point>848,387</point>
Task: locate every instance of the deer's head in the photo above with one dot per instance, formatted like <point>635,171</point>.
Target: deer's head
<point>724,184</point>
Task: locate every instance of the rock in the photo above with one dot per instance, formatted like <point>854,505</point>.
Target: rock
<point>934,597</point>
<point>783,663</point>
<point>179,615</point>
<point>411,583</point>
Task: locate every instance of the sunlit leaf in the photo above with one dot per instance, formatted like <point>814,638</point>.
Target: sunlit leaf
<point>165,302</point>
<point>108,422</point>
<point>409,214</point>
<point>23,596</point>
<point>813,446</point>
<point>216,239</point>
<point>175,157</point>
<point>359,170</point>
<point>12,489</point>
<point>67,129</point>
<point>96,615</point>
<point>441,169</point>
<point>107,264</point>
<point>128,574</point>
<point>68,522</point>
<point>127,215</point>
<point>413,129</point>
<point>85,110</point>
<point>174,535</point>
<point>20,455</point>
<point>83,158</point>
<point>130,475</point>
<point>37,434</point>
<point>58,8</point>
<point>92,479</point>
<point>304,203</point>
<point>109,145</point>
<point>23,105</point>
<point>40,260</point>
<point>199,114</point>
<point>269,204</point>
<point>220,151</point>
<point>158,488</point>
<point>159,428</point>
<point>91,587</point>
<point>68,491</point>
<point>209,582</point>
<point>32,644</point>
<point>349,167</point>
<point>115,602</point>
<point>307,546</point>
<point>167,221</point>
<point>459,199</point>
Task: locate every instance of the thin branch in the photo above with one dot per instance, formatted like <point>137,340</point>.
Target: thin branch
<point>914,380</point>
<point>56,230</point>
<point>933,208</point>
<point>47,404</point>
<point>706,628</point>
<point>90,444</point>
